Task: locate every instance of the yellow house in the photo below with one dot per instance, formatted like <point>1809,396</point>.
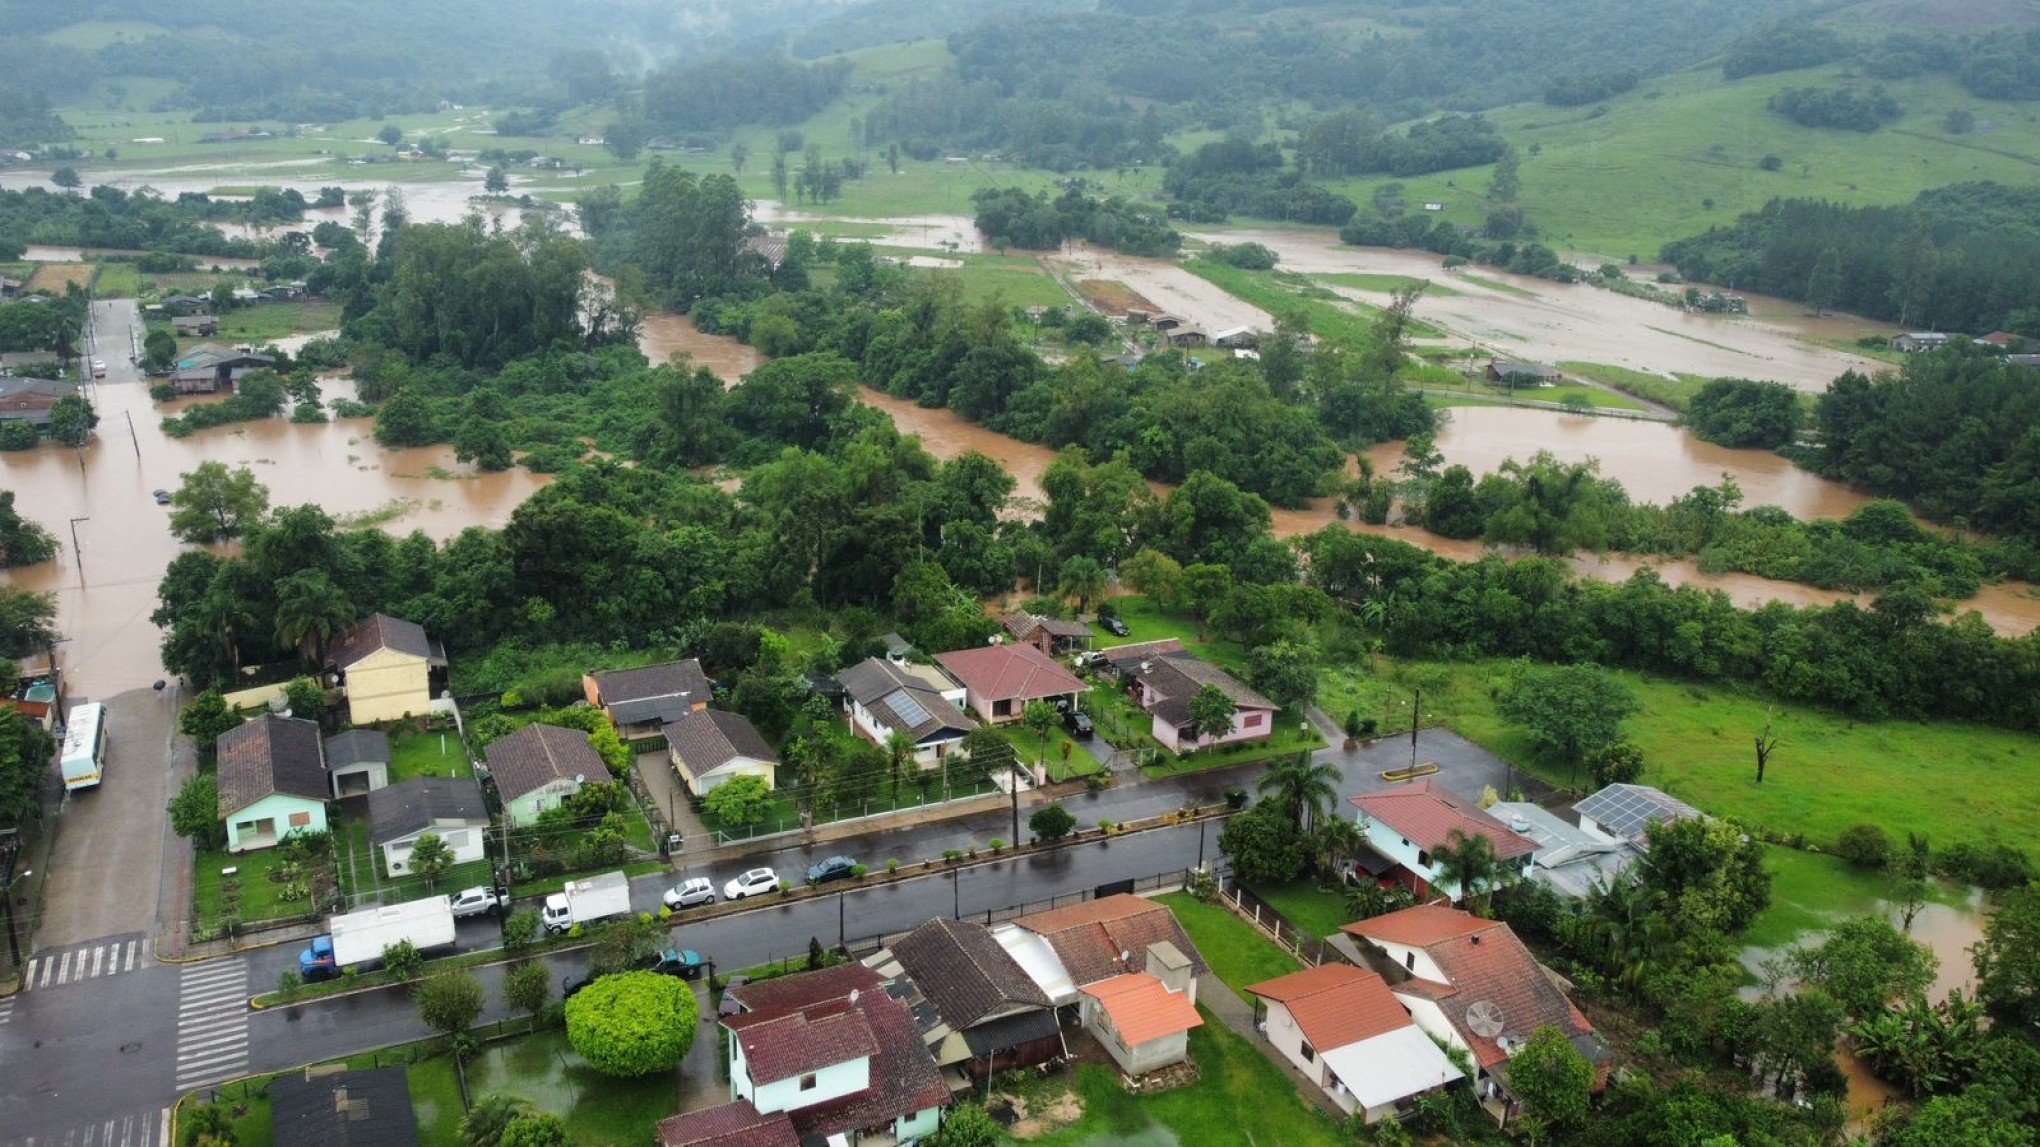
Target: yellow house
<point>385,666</point>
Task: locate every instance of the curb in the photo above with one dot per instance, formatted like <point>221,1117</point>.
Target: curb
<point>160,958</point>
<point>255,1004</point>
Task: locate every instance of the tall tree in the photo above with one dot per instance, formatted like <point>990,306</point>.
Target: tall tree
<point>1211,713</point>
<point>1468,867</point>
<point>1570,712</point>
<point>1554,1081</point>
<point>310,611</point>
<point>1083,579</point>
<point>22,542</point>
<point>739,152</point>
<point>214,503</point>
<point>1305,789</point>
<point>1826,281</point>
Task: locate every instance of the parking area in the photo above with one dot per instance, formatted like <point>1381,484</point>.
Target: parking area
<point>1464,768</point>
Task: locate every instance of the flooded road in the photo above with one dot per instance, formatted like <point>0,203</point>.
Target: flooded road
<point>123,536</point>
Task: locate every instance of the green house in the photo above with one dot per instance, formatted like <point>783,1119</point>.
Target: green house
<point>273,783</point>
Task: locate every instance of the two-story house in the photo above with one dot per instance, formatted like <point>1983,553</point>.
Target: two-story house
<point>829,1051</point>
<point>1124,965</point>
<point>387,667</point>
<point>1410,823</point>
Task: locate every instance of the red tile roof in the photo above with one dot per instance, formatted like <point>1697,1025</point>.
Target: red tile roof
<point>1143,1009</point>
<point>1337,1004</point>
<point>1418,927</point>
<point>780,1047</point>
<point>730,1125</point>
<point>1429,816</point>
<point>1089,937</point>
<point>1012,671</point>
<point>904,1079</point>
<point>1483,965</point>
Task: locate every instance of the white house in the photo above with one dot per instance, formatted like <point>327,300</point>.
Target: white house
<point>538,767</point>
<point>1341,1026</point>
<point>272,781</point>
<point>1125,964</point>
<point>1476,987</point>
<point>450,808</point>
<point>834,1053</point>
<point>1410,823</point>
<point>1143,1019</point>
<point>889,696</point>
<point>710,746</point>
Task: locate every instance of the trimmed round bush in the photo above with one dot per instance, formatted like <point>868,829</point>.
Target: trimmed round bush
<point>632,1023</point>
<point>1864,846</point>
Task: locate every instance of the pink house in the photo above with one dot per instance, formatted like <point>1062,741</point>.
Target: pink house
<point>1164,686</point>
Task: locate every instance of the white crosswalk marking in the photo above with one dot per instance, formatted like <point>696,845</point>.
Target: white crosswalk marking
<point>109,957</point>
<point>135,1129</point>
<point>6,1010</point>
<point>212,1023</point>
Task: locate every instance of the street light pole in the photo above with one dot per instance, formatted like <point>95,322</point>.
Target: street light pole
<point>1416,718</point>
<point>13,936</point>
<point>77,556</point>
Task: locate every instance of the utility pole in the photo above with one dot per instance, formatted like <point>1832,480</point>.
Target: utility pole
<point>1416,719</point>
<point>77,555</point>
<point>132,436</point>
<point>1013,782</point>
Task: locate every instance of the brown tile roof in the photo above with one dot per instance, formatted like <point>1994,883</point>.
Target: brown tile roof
<point>269,755</point>
<point>904,701</point>
<point>1023,624</point>
<point>661,692</point>
<point>1088,938</point>
<point>1418,927</point>
<point>1180,677</point>
<point>1488,964</point>
<point>537,755</point>
<point>729,1125</point>
<point>1143,1008</point>
<point>1429,816</point>
<point>963,970</point>
<point>782,1045</point>
<point>1013,671</point>
<point>1117,656</point>
<point>380,632</point>
<point>710,738</point>
<point>904,1078</point>
<point>1337,1004</point>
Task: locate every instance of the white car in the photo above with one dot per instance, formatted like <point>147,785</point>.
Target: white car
<point>690,893</point>
<point>98,368</point>
<point>476,901</point>
<point>753,883</point>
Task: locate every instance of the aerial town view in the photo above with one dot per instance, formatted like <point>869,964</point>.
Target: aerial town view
<point>1076,573</point>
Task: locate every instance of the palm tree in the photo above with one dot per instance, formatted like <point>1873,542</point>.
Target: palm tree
<point>1469,864</point>
<point>1084,579</point>
<point>899,750</point>
<point>1335,840</point>
<point>1305,788</point>
<point>224,616</point>
<point>310,609</point>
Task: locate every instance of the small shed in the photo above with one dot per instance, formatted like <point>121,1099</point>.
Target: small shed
<point>358,760</point>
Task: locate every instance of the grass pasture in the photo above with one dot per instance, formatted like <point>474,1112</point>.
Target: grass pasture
<point>1017,280</point>
<point>1675,392</point>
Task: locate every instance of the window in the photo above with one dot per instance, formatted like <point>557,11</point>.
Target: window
<point>1409,961</point>
<point>1251,721</point>
<point>1423,858</point>
<point>1309,1052</point>
<point>1002,708</point>
<point>300,819</point>
<point>807,1083</point>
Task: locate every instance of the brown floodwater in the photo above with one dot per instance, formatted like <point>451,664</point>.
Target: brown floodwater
<point>664,336</point>
<point>124,539</point>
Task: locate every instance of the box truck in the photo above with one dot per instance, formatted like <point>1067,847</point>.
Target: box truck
<point>358,939</point>
<point>602,897</point>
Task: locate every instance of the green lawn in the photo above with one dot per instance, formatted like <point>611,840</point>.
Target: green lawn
<point>417,753</point>
<point>1318,911</point>
<point>117,281</point>
<point>268,321</point>
<point>1147,621</point>
<point>1672,392</point>
<point>1385,283</point>
<point>1242,1099</point>
<point>1016,280</point>
<point>1237,953</point>
<point>261,898</point>
<point>1561,393</point>
<point>1953,782</point>
<point>1498,285</point>
<point>1331,318</point>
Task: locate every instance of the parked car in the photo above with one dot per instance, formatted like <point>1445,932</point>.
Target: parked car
<point>99,368</point>
<point>162,497</point>
<point>685,963</point>
<point>753,883</point>
<point>478,901</point>
<point>729,1005</point>
<point>1086,658</point>
<point>1115,627</point>
<point>834,868</point>
<point>1077,723</point>
<point>690,893</point>
<point>570,986</point>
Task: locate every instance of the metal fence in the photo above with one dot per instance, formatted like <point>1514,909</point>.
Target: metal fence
<point>1310,949</point>
<point>783,820</point>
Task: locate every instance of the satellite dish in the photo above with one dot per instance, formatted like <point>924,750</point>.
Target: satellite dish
<point>853,997</point>
<point>1484,1018</point>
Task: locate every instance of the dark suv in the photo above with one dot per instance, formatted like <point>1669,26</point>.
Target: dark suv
<point>1077,723</point>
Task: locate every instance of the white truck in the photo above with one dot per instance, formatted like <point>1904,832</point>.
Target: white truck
<point>604,896</point>
<point>358,939</point>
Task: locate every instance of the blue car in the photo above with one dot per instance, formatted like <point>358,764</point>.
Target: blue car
<point>834,868</point>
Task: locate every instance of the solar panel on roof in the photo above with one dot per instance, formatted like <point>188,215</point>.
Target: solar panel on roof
<point>909,709</point>
<point>1625,811</point>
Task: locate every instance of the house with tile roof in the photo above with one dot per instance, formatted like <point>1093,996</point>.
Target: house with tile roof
<point>709,747</point>
<point>639,701</point>
<point>1125,965</point>
<point>319,1107</point>
<point>1051,635</point>
<point>386,666</point>
<point>450,808</point>
<point>1410,823</point>
<point>539,766</point>
<point>1122,660</point>
<point>978,1010</point>
<point>1001,680</point>
<point>834,1053</point>
<point>272,781</point>
<point>883,696</point>
<point>1164,686</point>
<point>1342,1027</point>
<point>1475,986</point>
<point>728,1125</point>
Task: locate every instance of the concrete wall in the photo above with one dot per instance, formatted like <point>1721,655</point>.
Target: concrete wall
<point>245,830</point>
<point>388,686</point>
<point>1138,1059</point>
<point>1415,961</point>
<point>377,772</point>
<point>1282,1032</point>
